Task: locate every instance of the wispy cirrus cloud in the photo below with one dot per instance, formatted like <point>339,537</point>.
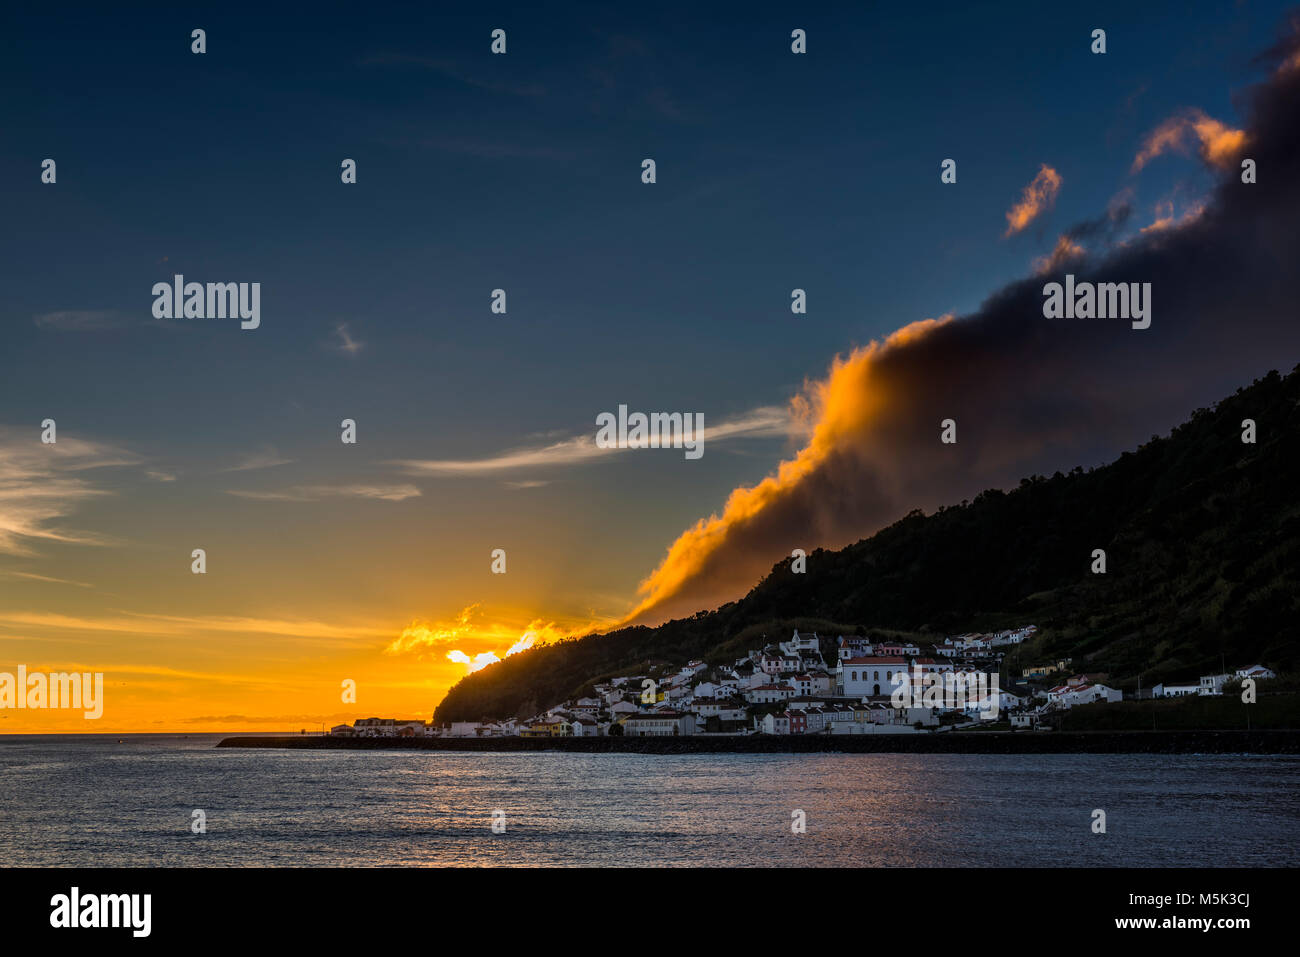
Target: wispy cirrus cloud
<point>127,622</point>
<point>344,342</point>
<point>315,493</point>
<point>79,320</point>
<point>48,579</point>
<point>148,671</point>
<point>766,421</point>
<point>265,458</point>
<point>40,485</point>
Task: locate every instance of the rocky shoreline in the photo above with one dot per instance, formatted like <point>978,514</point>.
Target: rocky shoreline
<point>982,742</point>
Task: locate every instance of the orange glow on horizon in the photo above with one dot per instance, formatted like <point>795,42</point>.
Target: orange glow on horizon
<point>294,687</point>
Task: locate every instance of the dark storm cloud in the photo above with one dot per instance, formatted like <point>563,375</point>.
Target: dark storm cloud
<point>1028,394</point>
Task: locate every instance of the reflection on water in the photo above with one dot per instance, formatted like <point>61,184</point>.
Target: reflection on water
<point>89,800</point>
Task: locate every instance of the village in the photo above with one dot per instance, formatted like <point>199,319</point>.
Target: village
<point>788,687</point>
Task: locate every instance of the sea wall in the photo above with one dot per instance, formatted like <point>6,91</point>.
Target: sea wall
<point>982,742</point>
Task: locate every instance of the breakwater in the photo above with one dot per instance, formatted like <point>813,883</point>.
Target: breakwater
<point>980,742</point>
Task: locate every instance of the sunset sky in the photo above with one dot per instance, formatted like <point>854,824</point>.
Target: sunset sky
<point>372,561</point>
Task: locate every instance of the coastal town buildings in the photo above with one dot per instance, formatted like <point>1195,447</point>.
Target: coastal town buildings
<point>787,687</point>
<point>1069,695</point>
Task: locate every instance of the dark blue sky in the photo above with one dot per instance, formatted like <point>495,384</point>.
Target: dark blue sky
<point>521,171</point>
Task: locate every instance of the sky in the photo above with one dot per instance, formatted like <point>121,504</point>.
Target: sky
<point>372,562</point>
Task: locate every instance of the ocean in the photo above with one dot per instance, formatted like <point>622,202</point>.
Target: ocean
<point>89,800</point>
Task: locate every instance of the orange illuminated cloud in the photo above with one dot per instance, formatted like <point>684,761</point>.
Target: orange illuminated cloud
<point>1066,251</point>
<point>422,636</point>
<point>837,410</point>
<point>481,660</point>
<point>1218,143</point>
<point>1165,218</point>
<point>1038,196</point>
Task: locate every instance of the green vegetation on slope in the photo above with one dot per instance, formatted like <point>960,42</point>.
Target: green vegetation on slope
<point>1218,712</point>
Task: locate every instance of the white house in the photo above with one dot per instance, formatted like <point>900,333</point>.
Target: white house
<point>929,666</point>
<point>814,682</point>
<point>1026,719</point>
<point>876,714</point>
<point>720,708</point>
<point>1009,700</point>
<point>1212,684</point>
<point>583,727</point>
<point>612,696</point>
<point>890,649</point>
<point>802,646</point>
<point>815,719</point>
<point>375,728</point>
<point>769,694</point>
<point>859,677</point>
<point>838,714</point>
<point>928,717</point>
<point>1258,672</point>
<point>692,668</point>
<point>1067,696</point>
<point>659,724</point>
<point>1013,636</point>
<point>779,661</point>
<point>707,707</point>
<point>853,647</point>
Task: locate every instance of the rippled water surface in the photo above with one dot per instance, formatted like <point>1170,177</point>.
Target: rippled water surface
<point>90,800</point>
